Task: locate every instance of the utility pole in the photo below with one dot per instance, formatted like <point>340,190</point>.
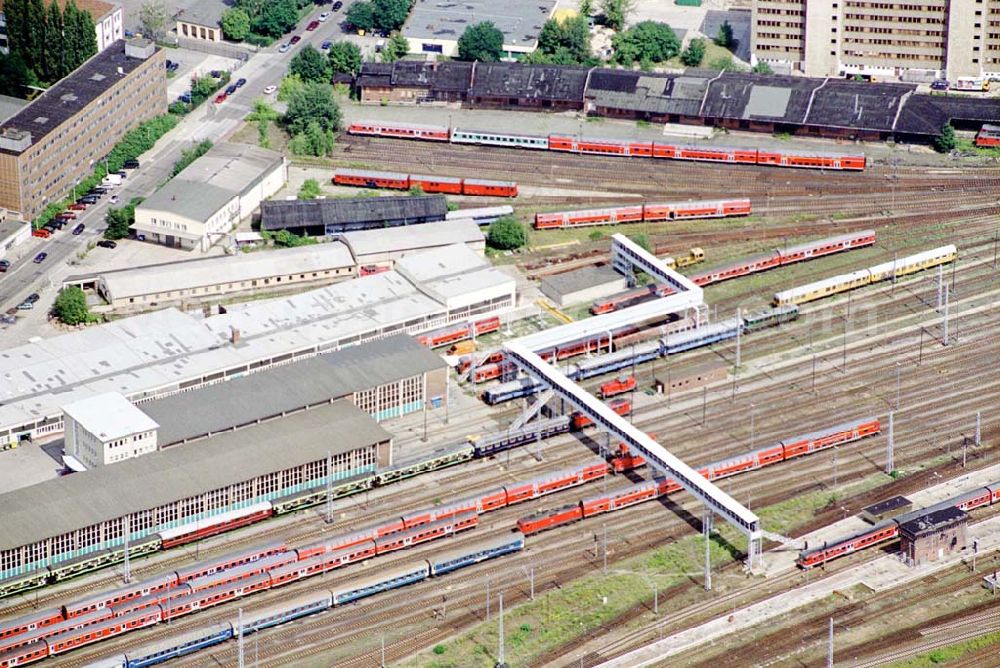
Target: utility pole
<point>835,467</point>
<point>382,662</point>
<point>940,290</point>
<point>753,433</point>
<point>329,487</point>
<point>706,524</point>
<point>814,373</point>
<point>946,300</point>
<point>487,599</point>
<point>978,425</point>
<point>844,363</point>
<point>890,463</point>
<point>704,404</point>
<point>501,662</point>
<point>738,330</point>
<point>829,648</point>
<point>605,549</point>
<point>128,529</point>
<point>898,368</point>
<point>239,639</point>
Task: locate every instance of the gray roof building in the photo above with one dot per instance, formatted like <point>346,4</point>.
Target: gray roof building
<point>83,499</point>
<point>435,26</point>
<point>582,285</point>
<point>291,387</point>
<point>392,243</point>
<point>318,217</point>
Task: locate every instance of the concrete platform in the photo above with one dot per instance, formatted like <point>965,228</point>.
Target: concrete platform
<point>879,575</point>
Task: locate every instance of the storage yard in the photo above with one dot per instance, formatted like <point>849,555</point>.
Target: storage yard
<point>834,315</point>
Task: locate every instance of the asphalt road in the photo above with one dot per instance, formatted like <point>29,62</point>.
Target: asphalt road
<point>210,121</point>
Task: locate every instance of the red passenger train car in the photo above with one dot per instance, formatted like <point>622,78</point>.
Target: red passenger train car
<point>988,136</point>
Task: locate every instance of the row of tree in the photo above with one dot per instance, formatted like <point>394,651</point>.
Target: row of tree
<point>267,18</point>
<point>45,44</point>
<point>384,15</point>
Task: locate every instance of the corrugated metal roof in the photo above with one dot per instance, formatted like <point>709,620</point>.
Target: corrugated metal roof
<point>82,499</point>
<point>283,214</point>
<point>289,387</point>
<point>414,237</point>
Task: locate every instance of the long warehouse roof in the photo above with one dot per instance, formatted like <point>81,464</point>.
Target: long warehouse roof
<point>83,499</point>
<point>288,388</point>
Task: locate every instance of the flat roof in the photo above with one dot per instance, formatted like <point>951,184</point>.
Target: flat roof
<point>73,93</point>
<point>10,106</point>
<point>583,278</point>
<point>109,416</point>
<point>11,226</point>
<point>933,521</point>
<point>190,274</point>
<point>412,237</point>
<point>447,274</point>
<point>226,171</point>
<point>289,387</point>
<point>893,503</point>
<point>203,13</point>
<point>520,21</point>
<point>154,352</point>
<point>82,499</point>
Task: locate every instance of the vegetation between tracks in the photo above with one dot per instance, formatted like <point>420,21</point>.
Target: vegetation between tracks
<point>948,653</point>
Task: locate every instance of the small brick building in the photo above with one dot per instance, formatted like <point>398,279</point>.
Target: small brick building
<point>933,536</point>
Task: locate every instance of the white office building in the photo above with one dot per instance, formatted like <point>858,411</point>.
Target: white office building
<point>105,429</point>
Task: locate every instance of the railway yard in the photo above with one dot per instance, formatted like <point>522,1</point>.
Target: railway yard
<point>910,353</point>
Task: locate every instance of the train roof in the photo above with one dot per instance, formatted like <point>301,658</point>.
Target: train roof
<point>487,182</point>
<point>827,240</point>
<point>516,384</point>
<point>750,259</point>
<point>826,545</point>
<point>923,256</point>
<point>624,354</point>
<point>843,426</point>
<point>705,330</point>
<point>277,545</point>
<point>370,173</point>
<point>619,491</point>
<point>480,212</point>
<point>263,564</point>
<point>397,124</point>
<point>821,284</point>
<point>383,575</point>
<point>253,616</point>
<point>66,625</point>
<point>177,640</point>
<point>210,592</point>
<point>437,178</point>
<point>478,546</point>
<point>103,596</point>
<point>27,619</point>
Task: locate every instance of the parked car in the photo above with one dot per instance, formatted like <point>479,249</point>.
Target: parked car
<point>284,47</point>
<point>325,45</point>
<point>312,25</point>
<point>122,173</point>
<point>324,16</point>
<point>216,74</point>
<point>8,319</point>
<point>230,89</point>
<point>107,243</point>
<point>269,89</point>
<point>185,97</point>
<point>940,84</point>
<point>337,5</point>
<point>78,207</point>
<point>40,258</point>
<point>78,230</point>
<point>12,310</point>
<point>132,163</point>
<point>68,215</point>
<point>33,298</point>
<point>220,98</point>
<point>113,199</point>
<point>241,82</point>
<point>88,199</point>
<point>295,39</point>
<point>42,233</point>
<point>4,265</point>
<point>25,306</point>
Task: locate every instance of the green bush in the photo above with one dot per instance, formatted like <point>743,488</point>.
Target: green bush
<point>286,239</point>
<point>439,649</point>
<point>688,3</point>
<point>506,234</point>
<point>310,189</point>
<point>190,155</point>
<point>71,306</point>
<point>259,40</point>
<point>120,220</point>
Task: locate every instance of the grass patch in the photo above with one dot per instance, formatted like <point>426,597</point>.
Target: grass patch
<point>944,655</point>
<point>964,145</point>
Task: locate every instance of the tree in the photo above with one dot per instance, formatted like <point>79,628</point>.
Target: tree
<point>71,306</point>
<point>506,233</point>
<point>390,15</point>
<point>550,37</point>
<point>310,189</point>
<point>253,8</point>
<point>276,18</point>
<point>313,102</point>
<point>153,19</point>
<point>34,51</point>
<point>693,54</point>
<point>482,41</point>
<point>616,12</point>
<point>345,58</point>
<point>286,239</point>
<point>290,83</point>
<point>84,36</point>
<point>361,15</point>
<point>945,142</point>
<point>648,40</point>
<point>53,69</point>
<point>189,155</point>
<point>725,36</point>
<point>586,8</point>
<point>72,44</point>
<point>235,24</point>
<point>14,74</point>
<point>725,62</point>
<point>567,42</point>
<point>118,221</point>
<point>762,67</point>
<point>310,65</point>
<point>397,47</point>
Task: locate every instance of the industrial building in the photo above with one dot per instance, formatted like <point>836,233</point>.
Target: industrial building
<point>179,283</point>
<point>105,429</point>
<point>582,285</point>
<point>385,378</point>
<point>201,20</point>
<point>61,519</point>
<point>164,352</point>
<point>934,536</point>
<point>318,217</point>
<point>435,27</point>
<point>56,141</point>
<point>922,39</point>
<point>202,204</point>
<point>108,21</point>
<point>379,249</point>
<point>13,231</point>
<point>835,108</point>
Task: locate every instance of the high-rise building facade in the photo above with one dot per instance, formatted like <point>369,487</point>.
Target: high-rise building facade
<point>57,140</point>
<point>918,39</point>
